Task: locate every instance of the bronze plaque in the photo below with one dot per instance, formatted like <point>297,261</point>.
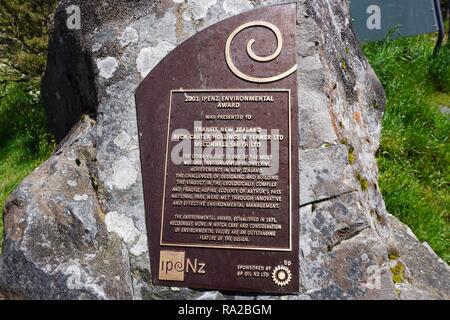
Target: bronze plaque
<point>219,150</point>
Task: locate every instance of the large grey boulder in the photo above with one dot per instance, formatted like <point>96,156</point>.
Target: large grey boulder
<point>75,228</point>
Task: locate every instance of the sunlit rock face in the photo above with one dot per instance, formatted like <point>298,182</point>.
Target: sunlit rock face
<point>75,228</point>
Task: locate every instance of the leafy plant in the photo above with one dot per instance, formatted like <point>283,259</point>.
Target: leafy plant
<point>24,29</point>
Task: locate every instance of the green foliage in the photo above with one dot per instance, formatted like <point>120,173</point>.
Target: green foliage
<point>24,29</point>
<point>414,156</point>
<point>440,70</point>
<point>21,114</point>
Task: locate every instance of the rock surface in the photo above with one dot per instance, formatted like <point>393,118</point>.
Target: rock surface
<point>75,228</point>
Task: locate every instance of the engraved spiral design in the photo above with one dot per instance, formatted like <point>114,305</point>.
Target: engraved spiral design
<point>254,56</point>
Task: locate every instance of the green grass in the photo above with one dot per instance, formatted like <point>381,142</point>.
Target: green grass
<point>414,158</point>
<point>24,140</point>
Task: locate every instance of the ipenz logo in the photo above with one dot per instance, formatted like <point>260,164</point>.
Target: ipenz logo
<point>173,265</point>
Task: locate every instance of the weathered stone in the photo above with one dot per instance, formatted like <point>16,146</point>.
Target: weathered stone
<point>428,275</point>
<point>325,173</point>
<point>331,230</point>
<point>75,228</point>
<point>56,244</point>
